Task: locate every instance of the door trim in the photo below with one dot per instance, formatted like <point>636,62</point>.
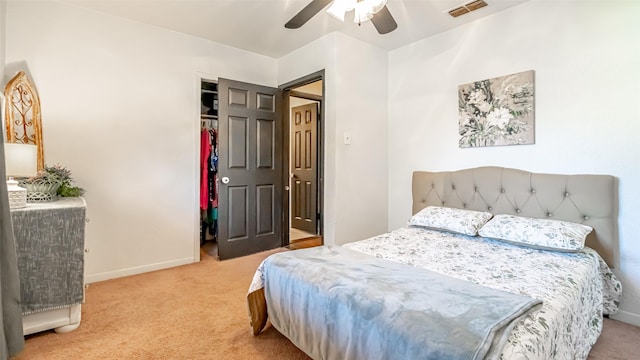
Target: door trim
<point>288,91</point>
<point>304,95</point>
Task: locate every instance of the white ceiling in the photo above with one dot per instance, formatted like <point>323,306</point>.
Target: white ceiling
<point>258,25</point>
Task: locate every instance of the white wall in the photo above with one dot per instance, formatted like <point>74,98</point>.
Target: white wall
<point>120,109</point>
<point>355,175</point>
<point>3,26</point>
<point>361,168</point>
<point>3,23</point>
<point>120,106</point>
<point>585,56</point>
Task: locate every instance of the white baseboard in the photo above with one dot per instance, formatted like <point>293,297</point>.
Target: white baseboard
<point>91,278</point>
<point>627,317</point>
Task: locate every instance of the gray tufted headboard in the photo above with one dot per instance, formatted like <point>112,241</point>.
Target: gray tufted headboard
<point>587,199</point>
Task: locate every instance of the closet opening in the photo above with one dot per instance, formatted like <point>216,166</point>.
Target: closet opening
<point>209,167</point>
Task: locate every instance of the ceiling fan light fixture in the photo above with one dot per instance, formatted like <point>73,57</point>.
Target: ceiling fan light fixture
<point>362,13</point>
<point>374,10</point>
<point>364,9</point>
<point>340,7</point>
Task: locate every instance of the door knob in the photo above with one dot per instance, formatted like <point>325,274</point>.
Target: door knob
<point>225,180</point>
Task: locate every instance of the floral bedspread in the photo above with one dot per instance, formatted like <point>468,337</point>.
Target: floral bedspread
<point>576,288</point>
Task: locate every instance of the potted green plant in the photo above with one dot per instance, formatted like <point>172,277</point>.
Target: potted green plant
<point>51,182</point>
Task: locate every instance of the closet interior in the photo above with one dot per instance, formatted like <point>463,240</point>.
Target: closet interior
<point>208,166</point>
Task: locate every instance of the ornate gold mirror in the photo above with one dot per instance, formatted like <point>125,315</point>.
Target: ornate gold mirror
<point>22,114</point>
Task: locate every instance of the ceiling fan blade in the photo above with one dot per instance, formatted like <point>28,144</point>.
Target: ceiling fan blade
<point>307,13</point>
<point>383,21</point>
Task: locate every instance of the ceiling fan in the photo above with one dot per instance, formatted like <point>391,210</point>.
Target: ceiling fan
<point>374,10</point>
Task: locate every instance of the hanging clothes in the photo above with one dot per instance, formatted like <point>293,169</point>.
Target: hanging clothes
<point>213,168</point>
<point>208,183</point>
<point>213,189</point>
<point>205,153</point>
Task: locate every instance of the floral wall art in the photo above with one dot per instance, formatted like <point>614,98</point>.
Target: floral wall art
<point>497,111</point>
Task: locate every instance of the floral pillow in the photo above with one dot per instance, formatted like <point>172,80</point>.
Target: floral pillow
<point>461,221</point>
<point>537,233</point>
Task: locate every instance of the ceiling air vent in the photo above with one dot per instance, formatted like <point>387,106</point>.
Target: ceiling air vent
<point>467,8</point>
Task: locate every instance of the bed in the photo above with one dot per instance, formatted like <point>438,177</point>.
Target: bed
<point>460,280</point>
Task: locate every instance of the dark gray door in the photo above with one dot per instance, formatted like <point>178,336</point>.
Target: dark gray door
<point>250,180</point>
<point>304,154</point>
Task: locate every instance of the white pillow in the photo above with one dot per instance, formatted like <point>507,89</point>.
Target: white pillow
<point>537,233</point>
<point>461,221</point>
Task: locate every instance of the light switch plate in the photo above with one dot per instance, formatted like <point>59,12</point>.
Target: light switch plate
<point>347,138</point>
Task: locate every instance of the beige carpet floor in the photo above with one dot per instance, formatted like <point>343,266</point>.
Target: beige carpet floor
<point>198,311</point>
